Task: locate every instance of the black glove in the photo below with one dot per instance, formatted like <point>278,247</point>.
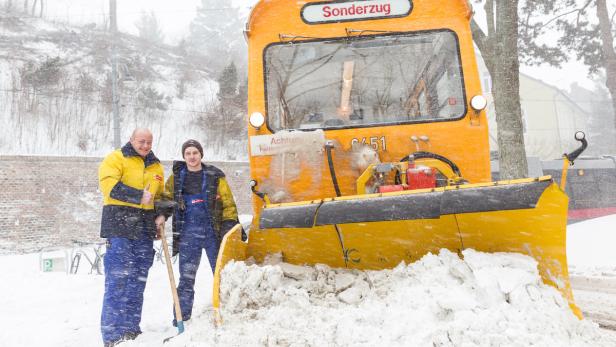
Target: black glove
<point>229,224</point>
<point>244,236</point>
<point>175,244</point>
<point>164,208</point>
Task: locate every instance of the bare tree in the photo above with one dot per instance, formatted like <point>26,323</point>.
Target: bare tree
<point>499,49</point>
<point>607,47</point>
<point>590,38</point>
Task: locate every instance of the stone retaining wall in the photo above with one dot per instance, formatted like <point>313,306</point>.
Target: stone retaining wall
<point>52,201</point>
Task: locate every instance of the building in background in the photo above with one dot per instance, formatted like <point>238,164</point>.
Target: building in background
<point>550,118</point>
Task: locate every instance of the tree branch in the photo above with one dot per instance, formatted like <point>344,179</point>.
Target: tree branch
<point>578,10</point>
<point>483,43</point>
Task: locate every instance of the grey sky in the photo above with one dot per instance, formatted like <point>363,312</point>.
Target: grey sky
<point>175,17</point>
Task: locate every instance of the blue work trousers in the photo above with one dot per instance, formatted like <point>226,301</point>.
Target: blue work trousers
<point>197,234</point>
<point>127,263</point>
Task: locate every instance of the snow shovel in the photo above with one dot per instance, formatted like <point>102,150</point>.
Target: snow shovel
<point>174,291</point>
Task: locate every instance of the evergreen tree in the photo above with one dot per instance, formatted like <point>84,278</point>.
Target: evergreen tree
<point>225,120</point>
<point>216,33</point>
<point>149,28</point>
<point>231,110</point>
<point>227,83</point>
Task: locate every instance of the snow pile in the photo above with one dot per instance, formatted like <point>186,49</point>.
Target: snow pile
<point>441,300</point>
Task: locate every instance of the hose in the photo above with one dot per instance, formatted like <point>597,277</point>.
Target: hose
<point>328,148</point>
<point>430,155</point>
<point>253,188</point>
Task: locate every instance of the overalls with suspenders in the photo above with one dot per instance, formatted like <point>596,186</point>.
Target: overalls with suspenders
<point>197,233</point>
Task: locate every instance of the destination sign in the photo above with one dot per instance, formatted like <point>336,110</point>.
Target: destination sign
<point>325,12</point>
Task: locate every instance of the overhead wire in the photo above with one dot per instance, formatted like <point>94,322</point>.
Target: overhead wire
<point>99,102</point>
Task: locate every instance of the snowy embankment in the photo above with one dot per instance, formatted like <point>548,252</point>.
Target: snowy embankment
<point>56,96</point>
<point>485,299</point>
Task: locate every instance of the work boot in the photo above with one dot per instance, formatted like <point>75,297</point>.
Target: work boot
<point>113,343</point>
<point>131,335</point>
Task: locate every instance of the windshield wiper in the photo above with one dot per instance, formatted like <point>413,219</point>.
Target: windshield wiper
<point>360,32</point>
<point>291,38</point>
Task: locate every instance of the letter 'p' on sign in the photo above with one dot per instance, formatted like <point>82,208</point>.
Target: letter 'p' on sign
<point>343,11</point>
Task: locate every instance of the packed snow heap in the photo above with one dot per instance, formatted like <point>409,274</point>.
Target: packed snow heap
<point>441,300</point>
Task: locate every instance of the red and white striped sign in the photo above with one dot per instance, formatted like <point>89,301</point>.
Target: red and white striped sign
<point>324,12</point>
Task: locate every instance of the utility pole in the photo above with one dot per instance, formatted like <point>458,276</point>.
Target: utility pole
<point>115,97</point>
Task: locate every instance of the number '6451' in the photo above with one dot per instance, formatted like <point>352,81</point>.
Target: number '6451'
<point>373,141</point>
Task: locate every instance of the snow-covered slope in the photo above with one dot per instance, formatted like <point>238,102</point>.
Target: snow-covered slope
<point>55,92</point>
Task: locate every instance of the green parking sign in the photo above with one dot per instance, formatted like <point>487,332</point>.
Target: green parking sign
<point>47,265</point>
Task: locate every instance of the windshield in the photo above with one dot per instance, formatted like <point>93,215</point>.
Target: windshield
<point>364,81</point>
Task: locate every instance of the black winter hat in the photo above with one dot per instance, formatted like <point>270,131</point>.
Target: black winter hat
<point>192,143</point>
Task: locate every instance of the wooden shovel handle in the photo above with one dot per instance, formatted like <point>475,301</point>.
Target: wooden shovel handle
<point>174,291</point>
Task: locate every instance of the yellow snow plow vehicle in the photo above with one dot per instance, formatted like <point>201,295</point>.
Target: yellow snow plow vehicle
<point>369,143</point>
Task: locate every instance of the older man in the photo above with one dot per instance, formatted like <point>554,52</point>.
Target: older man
<point>131,179</point>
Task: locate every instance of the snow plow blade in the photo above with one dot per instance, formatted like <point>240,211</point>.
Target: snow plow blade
<point>379,231</point>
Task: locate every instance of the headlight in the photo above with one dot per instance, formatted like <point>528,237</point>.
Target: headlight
<point>479,102</point>
<point>256,120</point>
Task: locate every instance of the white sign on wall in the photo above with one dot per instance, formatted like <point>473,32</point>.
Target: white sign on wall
<point>325,12</point>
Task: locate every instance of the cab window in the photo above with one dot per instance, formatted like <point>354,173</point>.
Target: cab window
<point>387,79</point>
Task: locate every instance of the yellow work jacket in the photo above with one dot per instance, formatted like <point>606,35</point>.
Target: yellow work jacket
<point>123,176</point>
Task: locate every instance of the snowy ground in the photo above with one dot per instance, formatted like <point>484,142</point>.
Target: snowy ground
<point>56,309</point>
<point>592,267</point>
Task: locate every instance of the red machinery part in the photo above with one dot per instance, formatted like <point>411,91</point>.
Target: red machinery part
<point>391,188</point>
<point>420,177</point>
